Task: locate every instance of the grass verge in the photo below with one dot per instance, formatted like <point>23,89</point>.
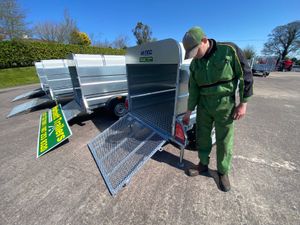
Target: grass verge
<point>18,76</point>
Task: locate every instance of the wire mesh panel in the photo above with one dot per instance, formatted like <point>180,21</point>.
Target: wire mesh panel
<point>122,149</point>
<point>156,110</point>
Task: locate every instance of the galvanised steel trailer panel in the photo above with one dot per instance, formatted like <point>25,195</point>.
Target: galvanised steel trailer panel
<point>58,78</point>
<point>97,79</point>
<point>43,79</point>
<point>183,91</point>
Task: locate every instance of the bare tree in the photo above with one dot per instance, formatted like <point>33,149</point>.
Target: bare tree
<point>66,28</point>
<point>58,32</point>
<point>121,42</point>
<point>103,44</point>
<point>142,33</point>
<point>283,40</point>
<point>249,52</point>
<point>46,31</point>
<point>12,20</point>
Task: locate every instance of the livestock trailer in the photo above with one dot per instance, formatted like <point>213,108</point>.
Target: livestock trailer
<point>157,80</point>
<point>98,81</point>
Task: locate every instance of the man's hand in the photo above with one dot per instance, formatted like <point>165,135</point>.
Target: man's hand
<point>186,117</point>
<point>240,111</point>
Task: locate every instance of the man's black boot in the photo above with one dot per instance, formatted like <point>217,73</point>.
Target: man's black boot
<point>224,182</point>
<point>197,170</point>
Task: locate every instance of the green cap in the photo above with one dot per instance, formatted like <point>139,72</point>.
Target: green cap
<point>191,40</point>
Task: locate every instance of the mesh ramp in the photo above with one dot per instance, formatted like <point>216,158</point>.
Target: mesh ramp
<point>30,94</point>
<point>71,110</point>
<point>122,149</point>
<point>27,106</point>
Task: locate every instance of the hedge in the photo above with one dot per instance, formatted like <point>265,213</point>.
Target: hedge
<point>18,53</point>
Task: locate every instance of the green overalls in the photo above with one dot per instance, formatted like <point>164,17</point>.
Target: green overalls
<point>212,86</point>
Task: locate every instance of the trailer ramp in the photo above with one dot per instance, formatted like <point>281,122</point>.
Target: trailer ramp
<point>71,110</point>
<point>31,94</point>
<point>29,106</point>
<point>122,149</point>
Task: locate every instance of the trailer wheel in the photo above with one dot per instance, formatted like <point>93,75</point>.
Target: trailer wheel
<point>265,74</point>
<point>118,108</point>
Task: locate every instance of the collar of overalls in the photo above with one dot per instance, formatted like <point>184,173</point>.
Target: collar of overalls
<point>212,48</point>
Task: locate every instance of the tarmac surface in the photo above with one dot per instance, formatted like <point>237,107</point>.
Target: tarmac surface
<point>65,186</point>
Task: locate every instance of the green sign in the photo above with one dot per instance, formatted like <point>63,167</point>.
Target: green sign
<point>146,59</point>
<point>53,130</point>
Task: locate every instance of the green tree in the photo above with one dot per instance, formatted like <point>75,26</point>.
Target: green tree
<point>79,38</point>
<point>283,40</point>
<point>142,33</point>
<point>12,20</point>
<point>249,52</point>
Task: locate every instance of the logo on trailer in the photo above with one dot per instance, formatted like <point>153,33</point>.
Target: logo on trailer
<point>146,52</point>
<point>146,56</point>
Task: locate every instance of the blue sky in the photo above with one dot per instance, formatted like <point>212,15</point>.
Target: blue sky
<point>242,22</point>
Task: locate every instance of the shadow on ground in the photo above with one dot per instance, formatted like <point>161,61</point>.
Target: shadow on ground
<point>173,160</point>
<point>101,118</point>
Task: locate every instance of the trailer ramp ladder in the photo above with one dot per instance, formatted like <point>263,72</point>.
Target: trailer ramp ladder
<point>30,106</point>
<point>31,94</point>
<point>122,149</point>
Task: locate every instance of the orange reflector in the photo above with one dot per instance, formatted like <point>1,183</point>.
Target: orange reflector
<point>179,133</point>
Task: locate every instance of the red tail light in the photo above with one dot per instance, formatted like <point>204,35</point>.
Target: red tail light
<point>126,103</point>
<point>179,133</point>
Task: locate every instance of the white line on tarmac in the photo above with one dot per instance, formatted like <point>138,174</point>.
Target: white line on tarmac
<point>285,165</point>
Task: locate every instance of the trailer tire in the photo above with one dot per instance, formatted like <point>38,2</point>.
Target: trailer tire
<point>265,74</point>
<point>118,108</point>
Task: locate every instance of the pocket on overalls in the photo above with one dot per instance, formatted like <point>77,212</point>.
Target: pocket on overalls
<point>225,109</point>
<point>223,68</point>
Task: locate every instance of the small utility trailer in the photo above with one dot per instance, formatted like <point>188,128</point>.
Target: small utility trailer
<point>263,65</point>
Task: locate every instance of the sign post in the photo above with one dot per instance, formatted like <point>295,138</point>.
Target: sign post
<point>53,130</point>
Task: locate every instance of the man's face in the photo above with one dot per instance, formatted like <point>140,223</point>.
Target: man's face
<point>201,50</point>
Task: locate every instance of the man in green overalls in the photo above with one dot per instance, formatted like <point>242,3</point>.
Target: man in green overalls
<point>217,71</point>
